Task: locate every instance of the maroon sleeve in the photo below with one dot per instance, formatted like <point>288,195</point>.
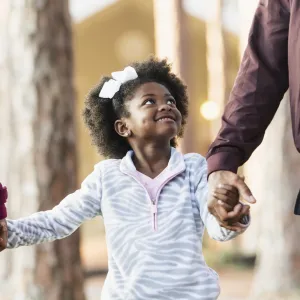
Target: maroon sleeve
<point>3,199</point>
<point>259,87</point>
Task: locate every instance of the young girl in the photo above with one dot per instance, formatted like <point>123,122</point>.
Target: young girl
<point>151,197</point>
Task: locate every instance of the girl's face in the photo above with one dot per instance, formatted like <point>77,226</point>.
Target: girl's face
<point>153,114</point>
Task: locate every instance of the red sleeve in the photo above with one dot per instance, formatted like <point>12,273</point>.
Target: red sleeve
<point>259,87</point>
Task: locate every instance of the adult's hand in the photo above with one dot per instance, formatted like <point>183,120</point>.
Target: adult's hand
<point>228,213</point>
<point>3,235</point>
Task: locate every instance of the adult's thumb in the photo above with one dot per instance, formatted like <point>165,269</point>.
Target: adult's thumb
<point>244,191</point>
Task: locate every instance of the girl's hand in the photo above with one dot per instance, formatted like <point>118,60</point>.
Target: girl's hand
<point>235,212</point>
<point>3,235</point>
<point>229,210</point>
<point>227,196</point>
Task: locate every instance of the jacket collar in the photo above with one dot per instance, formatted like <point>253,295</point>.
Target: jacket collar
<point>176,163</point>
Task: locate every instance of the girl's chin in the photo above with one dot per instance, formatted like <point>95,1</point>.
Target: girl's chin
<point>167,136</point>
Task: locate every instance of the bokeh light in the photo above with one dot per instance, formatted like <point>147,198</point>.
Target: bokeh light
<point>210,110</point>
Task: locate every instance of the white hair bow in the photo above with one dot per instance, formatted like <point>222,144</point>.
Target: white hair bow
<point>113,85</point>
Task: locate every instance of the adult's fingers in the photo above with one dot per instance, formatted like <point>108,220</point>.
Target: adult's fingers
<point>3,235</point>
<point>2,244</point>
<point>222,214</point>
<point>3,227</point>
<point>244,190</point>
<point>236,212</point>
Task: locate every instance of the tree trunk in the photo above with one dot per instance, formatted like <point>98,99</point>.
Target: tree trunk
<point>170,29</point>
<point>171,42</point>
<point>215,58</point>
<point>38,161</point>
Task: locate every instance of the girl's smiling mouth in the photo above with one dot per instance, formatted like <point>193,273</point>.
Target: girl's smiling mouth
<point>166,118</point>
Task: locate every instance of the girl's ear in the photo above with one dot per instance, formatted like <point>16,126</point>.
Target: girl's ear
<point>122,129</point>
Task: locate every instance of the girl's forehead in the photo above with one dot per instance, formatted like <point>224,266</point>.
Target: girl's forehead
<point>151,88</point>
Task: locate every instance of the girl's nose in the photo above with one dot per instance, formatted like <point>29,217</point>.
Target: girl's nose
<point>165,107</point>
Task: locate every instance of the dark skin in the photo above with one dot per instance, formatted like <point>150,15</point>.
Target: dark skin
<point>149,136</point>
<point>3,235</point>
<point>228,212</point>
<point>147,133</point>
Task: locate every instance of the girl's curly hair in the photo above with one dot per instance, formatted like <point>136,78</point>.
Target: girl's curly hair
<point>100,114</point>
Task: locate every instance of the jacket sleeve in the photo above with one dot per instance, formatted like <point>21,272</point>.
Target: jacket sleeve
<point>62,220</point>
<point>259,87</point>
<point>215,231</point>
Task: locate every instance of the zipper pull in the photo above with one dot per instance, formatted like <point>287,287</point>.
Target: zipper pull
<point>154,208</point>
<point>154,213</point>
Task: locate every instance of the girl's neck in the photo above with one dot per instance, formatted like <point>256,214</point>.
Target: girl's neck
<point>151,160</point>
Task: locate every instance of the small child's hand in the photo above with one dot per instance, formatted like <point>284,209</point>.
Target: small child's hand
<point>227,196</point>
<point>3,235</point>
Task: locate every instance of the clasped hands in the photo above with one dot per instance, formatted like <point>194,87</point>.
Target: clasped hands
<point>224,191</point>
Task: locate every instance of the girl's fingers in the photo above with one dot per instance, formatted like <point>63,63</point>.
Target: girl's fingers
<point>225,205</point>
<point>225,188</point>
<point>226,196</point>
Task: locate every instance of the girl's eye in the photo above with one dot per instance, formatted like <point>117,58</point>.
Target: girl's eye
<point>149,101</point>
<point>171,101</point>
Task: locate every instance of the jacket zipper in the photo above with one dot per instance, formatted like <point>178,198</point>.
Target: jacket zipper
<point>154,201</point>
<point>154,214</point>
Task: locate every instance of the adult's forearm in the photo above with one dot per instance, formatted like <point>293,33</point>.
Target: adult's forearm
<point>259,87</point>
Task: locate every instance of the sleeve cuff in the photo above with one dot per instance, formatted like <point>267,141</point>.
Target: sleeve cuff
<point>244,223</point>
<point>225,160</point>
<point>245,220</point>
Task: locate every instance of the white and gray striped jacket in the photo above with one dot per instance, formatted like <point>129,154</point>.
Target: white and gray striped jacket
<point>152,253</point>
